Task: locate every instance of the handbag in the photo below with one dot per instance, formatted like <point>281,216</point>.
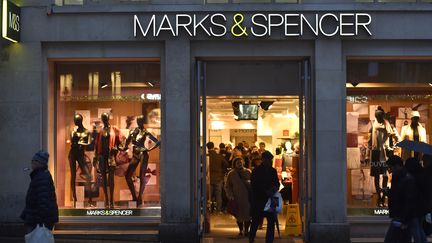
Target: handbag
<point>39,234</point>
<point>274,203</point>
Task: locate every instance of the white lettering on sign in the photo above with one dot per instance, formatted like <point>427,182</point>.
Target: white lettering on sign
<point>14,21</point>
<point>381,211</point>
<point>259,24</point>
<point>103,212</point>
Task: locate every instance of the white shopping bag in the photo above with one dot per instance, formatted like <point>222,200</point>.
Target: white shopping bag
<point>274,204</point>
<point>40,234</point>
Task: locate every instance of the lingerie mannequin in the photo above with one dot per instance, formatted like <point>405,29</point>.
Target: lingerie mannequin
<point>80,138</point>
<point>106,145</point>
<point>138,137</point>
<point>414,132</point>
<point>379,136</point>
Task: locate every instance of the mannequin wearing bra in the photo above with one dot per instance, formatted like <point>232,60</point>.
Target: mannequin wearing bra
<point>106,145</point>
<point>138,137</point>
<point>80,138</point>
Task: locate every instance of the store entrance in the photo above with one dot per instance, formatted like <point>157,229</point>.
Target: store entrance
<point>247,107</point>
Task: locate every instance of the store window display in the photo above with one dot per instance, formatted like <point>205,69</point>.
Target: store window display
<point>107,120</point>
<point>387,102</point>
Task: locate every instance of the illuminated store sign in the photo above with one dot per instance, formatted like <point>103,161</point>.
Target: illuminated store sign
<point>10,21</point>
<point>258,24</point>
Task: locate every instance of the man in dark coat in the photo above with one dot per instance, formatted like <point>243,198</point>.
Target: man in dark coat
<point>402,201</point>
<point>218,167</point>
<point>264,183</point>
<point>41,204</point>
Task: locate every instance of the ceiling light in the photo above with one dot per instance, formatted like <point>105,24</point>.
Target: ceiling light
<point>430,84</point>
<point>266,105</point>
<point>150,83</point>
<point>104,85</point>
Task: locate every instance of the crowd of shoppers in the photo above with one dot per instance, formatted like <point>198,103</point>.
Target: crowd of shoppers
<point>250,181</point>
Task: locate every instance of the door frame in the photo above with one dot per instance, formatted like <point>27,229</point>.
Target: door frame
<point>306,110</point>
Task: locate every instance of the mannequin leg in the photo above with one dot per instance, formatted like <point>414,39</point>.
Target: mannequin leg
<point>128,176</point>
<point>85,170</point>
<point>111,184</point>
<point>384,185</point>
<point>72,165</point>
<point>103,164</point>
<point>377,188</point>
<point>144,162</point>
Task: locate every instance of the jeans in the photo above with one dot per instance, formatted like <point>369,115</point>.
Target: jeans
<point>397,235</point>
<point>415,227</point>
<point>216,192</point>
<point>270,226</point>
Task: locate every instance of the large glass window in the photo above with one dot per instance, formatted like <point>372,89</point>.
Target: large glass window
<point>387,102</point>
<point>107,131</point>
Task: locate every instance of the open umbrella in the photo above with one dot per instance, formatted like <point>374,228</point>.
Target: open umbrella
<point>416,146</point>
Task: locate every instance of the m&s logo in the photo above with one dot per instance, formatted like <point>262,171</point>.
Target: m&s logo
<point>13,21</point>
<point>10,21</point>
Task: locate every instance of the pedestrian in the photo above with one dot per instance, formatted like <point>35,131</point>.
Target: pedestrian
<point>264,183</point>
<point>41,204</point>
<point>415,227</point>
<point>402,201</point>
<point>238,189</point>
<point>217,167</point>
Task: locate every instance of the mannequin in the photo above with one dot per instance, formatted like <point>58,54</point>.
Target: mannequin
<point>138,137</point>
<point>414,132</point>
<point>80,138</point>
<point>106,146</point>
<point>379,136</point>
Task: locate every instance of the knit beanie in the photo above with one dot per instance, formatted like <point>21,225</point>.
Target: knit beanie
<point>267,156</point>
<point>41,157</point>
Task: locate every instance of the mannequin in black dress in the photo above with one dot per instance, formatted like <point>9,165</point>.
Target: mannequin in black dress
<point>80,138</point>
<point>138,137</point>
<point>106,145</point>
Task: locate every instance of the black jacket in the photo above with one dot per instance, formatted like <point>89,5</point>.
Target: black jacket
<point>403,196</point>
<point>41,204</point>
<point>264,183</point>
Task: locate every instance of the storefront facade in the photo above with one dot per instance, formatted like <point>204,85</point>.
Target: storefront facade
<point>101,37</point>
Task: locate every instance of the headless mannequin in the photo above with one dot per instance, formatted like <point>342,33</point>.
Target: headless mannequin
<point>106,149</point>
<point>80,138</point>
<point>379,136</point>
<point>138,137</point>
<point>415,132</point>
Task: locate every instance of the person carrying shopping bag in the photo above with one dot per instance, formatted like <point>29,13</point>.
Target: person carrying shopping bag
<point>41,211</point>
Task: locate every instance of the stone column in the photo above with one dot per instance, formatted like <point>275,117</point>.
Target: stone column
<point>178,224</point>
<point>330,222</point>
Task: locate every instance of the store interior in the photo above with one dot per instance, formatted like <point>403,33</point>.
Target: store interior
<point>251,120</point>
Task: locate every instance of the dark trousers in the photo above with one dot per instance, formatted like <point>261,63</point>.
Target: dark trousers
<point>256,219</point>
<point>397,235</point>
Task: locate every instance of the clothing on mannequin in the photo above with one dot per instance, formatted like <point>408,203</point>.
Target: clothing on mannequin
<point>106,144</point>
<point>379,136</point>
<point>138,137</point>
<point>413,131</point>
<point>80,138</point>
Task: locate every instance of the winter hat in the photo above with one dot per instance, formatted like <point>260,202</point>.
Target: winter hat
<point>41,157</point>
<point>266,155</point>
